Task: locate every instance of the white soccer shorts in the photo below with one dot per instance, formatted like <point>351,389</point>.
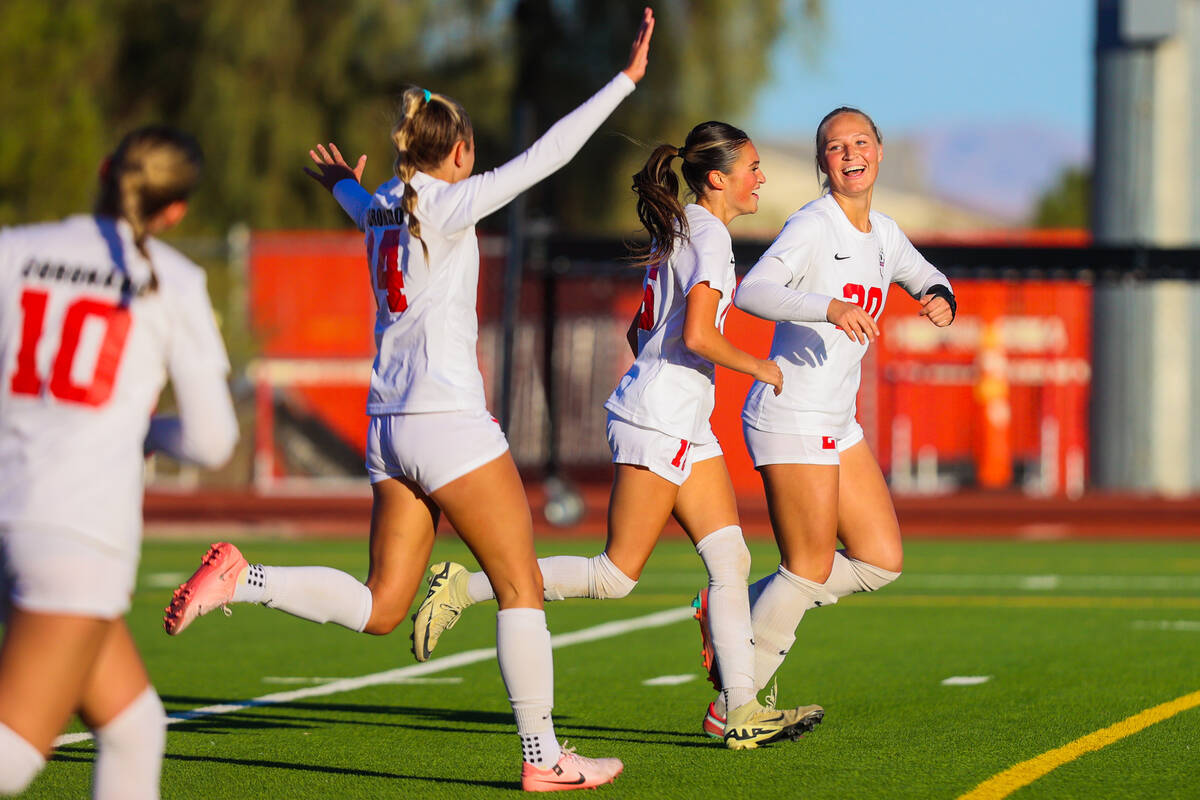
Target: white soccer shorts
<point>666,456</point>
<point>60,573</point>
<point>432,449</point>
<point>799,448</point>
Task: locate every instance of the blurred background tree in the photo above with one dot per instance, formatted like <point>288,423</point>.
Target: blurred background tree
<point>261,83</point>
<point>1067,203</point>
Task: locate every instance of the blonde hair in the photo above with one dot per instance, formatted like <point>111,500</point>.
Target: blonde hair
<point>151,168</point>
<point>428,127</point>
<point>821,139</point>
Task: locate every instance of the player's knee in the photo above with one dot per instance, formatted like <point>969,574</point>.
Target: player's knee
<point>606,581</point>
<point>725,555</point>
<point>20,762</point>
<point>386,615</point>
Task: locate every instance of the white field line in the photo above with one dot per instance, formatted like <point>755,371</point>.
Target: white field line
<point>965,680</point>
<point>164,580</point>
<point>669,680</point>
<point>605,631</point>
<point>1044,583</point>
<point>1190,625</point>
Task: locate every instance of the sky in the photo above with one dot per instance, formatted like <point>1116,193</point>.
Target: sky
<point>916,65</point>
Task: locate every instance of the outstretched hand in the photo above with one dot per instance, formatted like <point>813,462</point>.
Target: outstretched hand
<point>332,168</point>
<point>640,53</point>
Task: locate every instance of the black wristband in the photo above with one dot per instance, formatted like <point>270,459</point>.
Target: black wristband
<point>943,291</point>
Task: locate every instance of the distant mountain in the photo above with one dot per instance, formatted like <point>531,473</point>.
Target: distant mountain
<point>998,169</point>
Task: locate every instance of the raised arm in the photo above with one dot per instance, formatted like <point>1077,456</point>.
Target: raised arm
<point>342,181</point>
<point>472,199</point>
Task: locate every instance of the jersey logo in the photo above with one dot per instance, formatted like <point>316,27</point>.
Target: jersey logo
<point>881,263</point>
<point>828,443</point>
<point>839,257</point>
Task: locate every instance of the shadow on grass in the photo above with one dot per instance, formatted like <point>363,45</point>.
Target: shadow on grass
<point>87,757</point>
<point>266,715</point>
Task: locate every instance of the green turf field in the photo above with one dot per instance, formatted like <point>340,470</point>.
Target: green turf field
<point>1071,637</point>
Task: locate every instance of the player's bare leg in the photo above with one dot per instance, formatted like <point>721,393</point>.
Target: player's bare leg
<point>638,507</point>
<point>127,717</point>
<point>489,510</point>
<point>867,522</point>
<point>44,666</point>
<point>403,525</point>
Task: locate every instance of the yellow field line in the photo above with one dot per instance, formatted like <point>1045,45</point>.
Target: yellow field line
<point>1025,601</point>
<point>1025,773</point>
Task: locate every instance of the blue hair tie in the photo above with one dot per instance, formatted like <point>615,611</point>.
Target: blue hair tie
<point>427,95</point>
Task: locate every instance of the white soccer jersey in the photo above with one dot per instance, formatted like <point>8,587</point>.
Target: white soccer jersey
<point>669,388</point>
<point>823,254</point>
<point>426,326</point>
<point>86,347</point>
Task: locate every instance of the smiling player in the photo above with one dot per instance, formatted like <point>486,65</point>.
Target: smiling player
<point>824,281</point>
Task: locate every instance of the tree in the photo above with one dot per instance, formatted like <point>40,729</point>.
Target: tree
<point>261,83</point>
<point>1067,203</point>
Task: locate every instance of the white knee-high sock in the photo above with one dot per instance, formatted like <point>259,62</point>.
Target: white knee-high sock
<point>775,615</point>
<point>129,751</point>
<point>850,575</point>
<point>727,560</point>
<point>320,594</point>
<point>527,668</point>
<point>20,762</point>
<point>567,576</point>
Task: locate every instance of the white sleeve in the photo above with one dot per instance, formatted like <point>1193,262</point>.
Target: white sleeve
<point>205,429</point>
<point>354,200</point>
<point>912,271</point>
<point>703,258</point>
<point>764,293</point>
<point>463,204</point>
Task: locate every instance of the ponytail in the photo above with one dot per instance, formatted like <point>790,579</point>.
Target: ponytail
<point>709,146</point>
<point>151,168</point>
<point>428,127</point>
<point>658,207</point>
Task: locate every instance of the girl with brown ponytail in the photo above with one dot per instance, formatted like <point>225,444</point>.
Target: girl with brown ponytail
<point>667,459</point>
<point>94,314</point>
<point>433,447</point>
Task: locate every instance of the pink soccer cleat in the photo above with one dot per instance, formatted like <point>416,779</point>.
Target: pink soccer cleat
<point>714,723</point>
<point>572,771</point>
<point>210,587</point>
<point>708,655</point>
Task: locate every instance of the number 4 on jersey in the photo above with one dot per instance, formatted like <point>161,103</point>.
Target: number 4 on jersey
<point>389,278</point>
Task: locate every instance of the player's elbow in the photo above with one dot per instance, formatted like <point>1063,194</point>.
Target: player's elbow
<point>696,339</point>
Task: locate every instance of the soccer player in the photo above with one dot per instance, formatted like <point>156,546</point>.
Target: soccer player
<point>824,281</point>
<point>667,458</point>
<point>94,313</point>
<point>432,445</point>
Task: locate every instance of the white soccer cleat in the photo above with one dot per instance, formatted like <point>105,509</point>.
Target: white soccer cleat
<point>441,608</point>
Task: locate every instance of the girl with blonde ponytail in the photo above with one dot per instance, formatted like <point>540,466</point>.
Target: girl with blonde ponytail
<point>94,315</point>
<point>667,459</point>
<point>433,447</point>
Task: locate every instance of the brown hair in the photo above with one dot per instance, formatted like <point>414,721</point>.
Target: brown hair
<point>151,168</point>
<point>710,145</point>
<point>428,127</point>
<point>824,181</point>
